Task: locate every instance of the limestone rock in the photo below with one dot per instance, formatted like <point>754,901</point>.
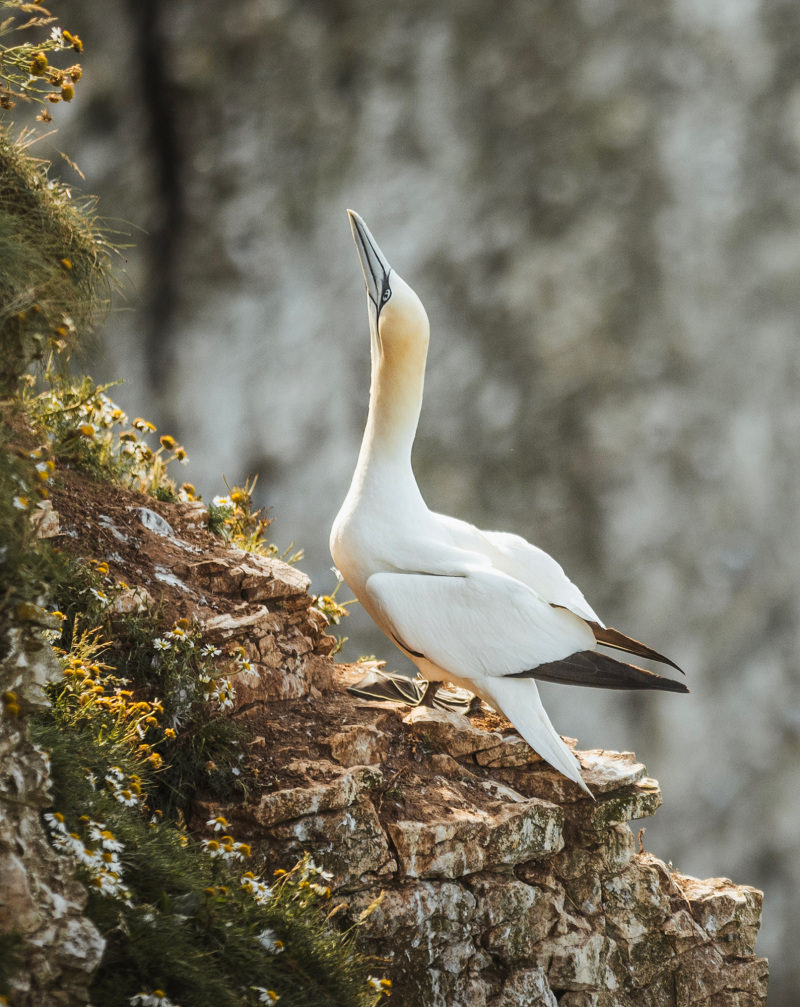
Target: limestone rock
<point>529,987</point>
<point>581,961</point>
<point>515,915</point>
<point>449,732</point>
<point>45,520</point>
<point>463,842</point>
<point>349,841</point>
<point>359,745</point>
<point>344,788</point>
<point>510,751</point>
<point>724,910</point>
<point>39,899</point>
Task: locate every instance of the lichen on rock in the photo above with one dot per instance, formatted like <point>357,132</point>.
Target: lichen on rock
<point>502,883</point>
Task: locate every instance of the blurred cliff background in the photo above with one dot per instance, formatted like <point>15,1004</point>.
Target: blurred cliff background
<point>599,205</point>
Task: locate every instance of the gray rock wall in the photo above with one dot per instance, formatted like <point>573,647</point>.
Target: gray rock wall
<point>40,901</point>
<point>598,203</point>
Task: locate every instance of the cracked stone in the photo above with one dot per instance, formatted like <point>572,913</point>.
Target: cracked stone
<point>465,841</point>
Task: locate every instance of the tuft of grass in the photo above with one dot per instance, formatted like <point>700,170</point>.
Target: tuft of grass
<point>88,430</point>
<point>55,276</point>
<point>9,960</point>
<point>30,569</point>
<point>181,916</point>
<point>235,518</point>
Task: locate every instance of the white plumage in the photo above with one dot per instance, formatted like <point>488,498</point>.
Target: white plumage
<point>467,606</point>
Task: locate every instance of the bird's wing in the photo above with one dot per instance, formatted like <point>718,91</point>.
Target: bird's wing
<point>513,555</point>
<point>484,627</point>
<point>477,624</point>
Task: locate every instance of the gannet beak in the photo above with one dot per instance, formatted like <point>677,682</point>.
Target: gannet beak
<point>373,263</point>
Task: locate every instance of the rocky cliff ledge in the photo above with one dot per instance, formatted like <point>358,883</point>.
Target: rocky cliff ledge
<point>504,885</point>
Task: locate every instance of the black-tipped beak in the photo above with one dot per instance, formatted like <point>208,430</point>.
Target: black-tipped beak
<point>373,262</point>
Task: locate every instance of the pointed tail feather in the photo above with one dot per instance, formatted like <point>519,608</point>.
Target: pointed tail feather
<point>610,637</point>
<point>519,700</point>
<point>600,671</point>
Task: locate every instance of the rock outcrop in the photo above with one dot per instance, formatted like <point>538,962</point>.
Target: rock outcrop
<point>40,902</point>
<point>498,882</point>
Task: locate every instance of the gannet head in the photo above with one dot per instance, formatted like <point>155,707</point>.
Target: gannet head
<point>396,314</point>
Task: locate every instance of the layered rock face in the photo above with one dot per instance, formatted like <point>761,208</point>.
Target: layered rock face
<point>40,901</point>
<point>498,882</point>
<point>597,202</point>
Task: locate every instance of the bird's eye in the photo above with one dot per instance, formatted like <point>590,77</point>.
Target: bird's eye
<point>386,295</point>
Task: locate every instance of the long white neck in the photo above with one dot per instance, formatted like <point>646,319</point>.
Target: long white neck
<point>395,401</point>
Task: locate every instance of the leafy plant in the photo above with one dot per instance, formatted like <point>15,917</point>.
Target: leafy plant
<point>28,73</point>
<point>87,429</point>
<point>235,518</point>
<point>179,916</point>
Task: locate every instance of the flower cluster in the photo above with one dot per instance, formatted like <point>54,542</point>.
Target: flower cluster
<point>260,890</point>
<point>96,850</point>
<point>87,426</point>
<point>225,848</point>
<point>42,472</point>
<point>236,519</point>
<point>219,688</point>
<point>90,690</point>
<point>28,72</point>
<point>310,877</point>
<point>127,792</point>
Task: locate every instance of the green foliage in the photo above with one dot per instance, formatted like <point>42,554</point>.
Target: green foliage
<point>236,519</point>
<point>9,960</point>
<point>28,73</point>
<point>30,570</point>
<point>179,916</point>
<point>203,751</point>
<point>55,264</point>
<point>85,428</point>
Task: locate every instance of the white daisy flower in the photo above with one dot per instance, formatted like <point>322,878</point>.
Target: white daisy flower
<point>260,891</point>
<point>56,822</point>
<point>69,843</point>
<point>126,797</point>
<point>269,941</point>
<point>158,998</point>
<point>213,848</point>
<point>209,650</point>
<point>160,644</point>
<point>266,996</point>
<point>100,834</point>
<point>313,869</point>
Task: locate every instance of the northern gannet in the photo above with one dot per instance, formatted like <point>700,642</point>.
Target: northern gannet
<point>486,611</point>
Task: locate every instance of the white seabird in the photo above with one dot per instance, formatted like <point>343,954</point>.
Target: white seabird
<point>486,611</point>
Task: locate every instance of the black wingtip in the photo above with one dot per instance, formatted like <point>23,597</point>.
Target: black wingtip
<point>610,637</point>
<point>599,671</point>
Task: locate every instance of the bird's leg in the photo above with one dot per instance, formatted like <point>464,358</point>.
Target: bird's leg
<point>430,692</point>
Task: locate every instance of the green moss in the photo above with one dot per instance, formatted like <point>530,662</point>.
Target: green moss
<point>9,960</point>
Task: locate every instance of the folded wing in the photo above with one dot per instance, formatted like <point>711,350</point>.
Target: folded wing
<point>513,555</point>
<point>483,623</point>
